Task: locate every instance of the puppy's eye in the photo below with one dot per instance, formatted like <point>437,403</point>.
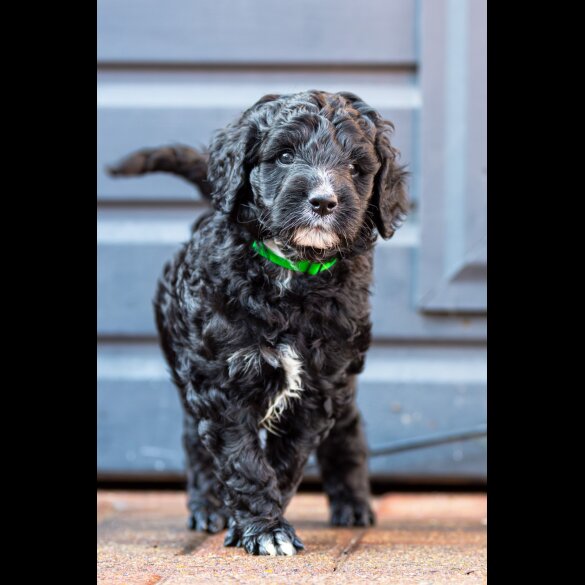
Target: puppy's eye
<point>354,170</point>
<point>286,158</point>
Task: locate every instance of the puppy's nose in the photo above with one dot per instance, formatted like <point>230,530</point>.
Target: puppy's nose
<point>323,203</point>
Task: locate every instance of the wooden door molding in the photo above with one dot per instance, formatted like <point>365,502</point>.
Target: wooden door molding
<point>453,255</point>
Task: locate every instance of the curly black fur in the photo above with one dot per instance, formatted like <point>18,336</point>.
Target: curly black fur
<point>237,329</point>
<point>177,159</point>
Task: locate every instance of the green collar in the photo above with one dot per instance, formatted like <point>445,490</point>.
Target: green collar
<point>300,266</point>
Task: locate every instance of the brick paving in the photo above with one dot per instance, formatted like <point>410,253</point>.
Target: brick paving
<point>420,539</point>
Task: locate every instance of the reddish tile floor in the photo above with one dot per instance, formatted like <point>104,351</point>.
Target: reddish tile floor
<point>420,539</point>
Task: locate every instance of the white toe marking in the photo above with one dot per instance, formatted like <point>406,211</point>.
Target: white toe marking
<point>287,548</point>
<point>270,549</point>
<point>292,366</point>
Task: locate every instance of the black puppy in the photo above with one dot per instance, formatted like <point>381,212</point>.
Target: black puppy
<point>263,315</point>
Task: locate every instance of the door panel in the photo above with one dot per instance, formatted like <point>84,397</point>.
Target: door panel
<point>176,71</point>
<point>453,259</point>
<point>255,31</point>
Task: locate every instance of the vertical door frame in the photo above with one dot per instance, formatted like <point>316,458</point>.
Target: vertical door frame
<point>452,268</point>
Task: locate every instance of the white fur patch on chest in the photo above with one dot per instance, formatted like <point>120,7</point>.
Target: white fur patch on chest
<point>292,366</point>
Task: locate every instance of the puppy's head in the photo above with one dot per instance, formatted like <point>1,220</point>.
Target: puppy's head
<point>314,170</point>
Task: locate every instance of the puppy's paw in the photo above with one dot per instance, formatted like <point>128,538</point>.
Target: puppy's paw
<point>352,513</point>
<point>207,519</point>
<point>276,537</point>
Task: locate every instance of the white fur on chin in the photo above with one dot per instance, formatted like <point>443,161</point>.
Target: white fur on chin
<point>315,238</point>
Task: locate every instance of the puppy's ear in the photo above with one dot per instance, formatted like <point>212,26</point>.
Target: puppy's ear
<point>389,200</point>
<point>231,157</point>
<point>389,203</point>
<point>227,170</point>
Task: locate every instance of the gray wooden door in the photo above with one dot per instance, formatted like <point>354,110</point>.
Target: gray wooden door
<point>174,71</point>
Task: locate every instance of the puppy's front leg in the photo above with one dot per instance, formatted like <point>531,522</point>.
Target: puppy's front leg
<point>251,485</point>
<point>289,450</point>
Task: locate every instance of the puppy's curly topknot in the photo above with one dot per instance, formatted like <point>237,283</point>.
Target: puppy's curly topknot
<point>251,344</point>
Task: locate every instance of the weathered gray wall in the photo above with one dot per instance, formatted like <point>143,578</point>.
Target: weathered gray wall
<point>175,71</point>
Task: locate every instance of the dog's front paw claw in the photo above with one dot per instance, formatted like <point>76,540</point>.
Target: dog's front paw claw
<point>346,513</point>
<point>206,519</point>
<point>233,535</point>
<point>276,538</point>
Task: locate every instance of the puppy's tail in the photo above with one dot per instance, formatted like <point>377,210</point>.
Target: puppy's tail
<point>180,160</point>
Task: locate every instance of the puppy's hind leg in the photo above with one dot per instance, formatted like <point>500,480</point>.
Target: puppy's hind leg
<point>204,491</point>
<point>344,468</point>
